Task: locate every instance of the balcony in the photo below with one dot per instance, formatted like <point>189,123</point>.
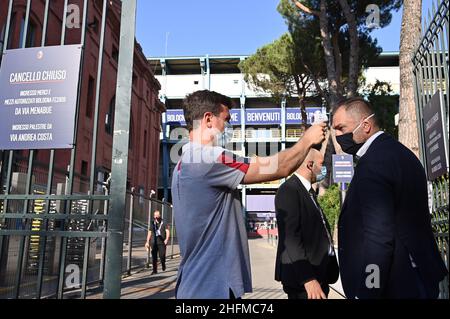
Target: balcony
<point>268,185</point>
<point>294,134</point>
<point>263,135</point>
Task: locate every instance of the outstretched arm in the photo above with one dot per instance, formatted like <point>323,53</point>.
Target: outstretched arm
<point>284,163</point>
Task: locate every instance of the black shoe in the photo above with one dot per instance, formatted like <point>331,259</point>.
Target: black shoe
<point>154,272</point>
<point>164,268</point>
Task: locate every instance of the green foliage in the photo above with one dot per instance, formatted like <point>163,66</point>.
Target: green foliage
<point>305,30</point>
<point>271,69</point>
<point>385,104</point>
<point>330,203</point>
<point>279,68</point>
<point>336,16</point>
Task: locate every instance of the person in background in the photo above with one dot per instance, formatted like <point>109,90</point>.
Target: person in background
<point>157,238</point>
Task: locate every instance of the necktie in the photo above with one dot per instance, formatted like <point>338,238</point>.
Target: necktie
<point>356,159</point>
<point>316,203</point>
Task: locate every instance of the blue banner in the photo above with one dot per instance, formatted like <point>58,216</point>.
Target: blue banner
<point>262,116</point>
<point>38,97</point>
<point>294,116</point>
<point>176,117</point>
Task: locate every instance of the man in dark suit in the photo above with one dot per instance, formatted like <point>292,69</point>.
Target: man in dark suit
<point>306,261</point>
<point>386,244</point>
<point>157,239</point>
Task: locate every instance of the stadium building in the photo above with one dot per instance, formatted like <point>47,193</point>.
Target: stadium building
<point>261,126</point>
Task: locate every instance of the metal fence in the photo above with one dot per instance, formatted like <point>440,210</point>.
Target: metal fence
<point>138,220</point>
<point>56,236</point>
<point>41,256</point>
<point>431,71</point>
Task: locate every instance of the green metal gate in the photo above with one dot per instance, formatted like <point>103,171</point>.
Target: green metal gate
<point>54,240</point>
<point>431,71</point>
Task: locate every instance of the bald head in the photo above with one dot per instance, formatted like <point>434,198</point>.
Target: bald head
<point>311,166</point>
<point>313,156</point>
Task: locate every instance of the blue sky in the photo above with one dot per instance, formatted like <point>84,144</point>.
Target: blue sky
<point>227,27</point>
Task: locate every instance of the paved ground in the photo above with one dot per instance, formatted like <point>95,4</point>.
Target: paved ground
<point>142,285</point>
<point>263,253</point>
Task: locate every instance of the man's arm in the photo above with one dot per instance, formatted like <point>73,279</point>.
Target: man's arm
<point>166,241</point>
<point>149,238</point>
<point>284,163</point>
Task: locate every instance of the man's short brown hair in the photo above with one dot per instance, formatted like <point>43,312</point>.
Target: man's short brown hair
<point>195,105</point>
<point>357,107</point>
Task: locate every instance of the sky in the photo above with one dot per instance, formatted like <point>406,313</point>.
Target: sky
<point>226,27</point>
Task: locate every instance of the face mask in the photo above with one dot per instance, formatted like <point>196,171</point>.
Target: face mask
<point>225,137</point>
<point>346,141</point>
<point>323,174</point>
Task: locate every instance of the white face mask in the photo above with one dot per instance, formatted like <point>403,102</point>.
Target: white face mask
<point>223,138</point>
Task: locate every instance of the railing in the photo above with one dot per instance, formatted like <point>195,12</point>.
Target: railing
<point>271,133</point>
<point>139,215</point>
<point>292,133</point>
<point>82,270</point>
<point>431,73</point>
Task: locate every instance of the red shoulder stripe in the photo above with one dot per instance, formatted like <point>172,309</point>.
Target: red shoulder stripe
<point>231,162</point>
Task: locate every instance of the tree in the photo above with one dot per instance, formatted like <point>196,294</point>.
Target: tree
<point>330,204</point>
<point>284,70</point>
<point>344,32</point>
<point>409,38</point>
<point>385,105</point>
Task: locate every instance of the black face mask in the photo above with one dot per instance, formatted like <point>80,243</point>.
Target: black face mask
<point>347,143</point>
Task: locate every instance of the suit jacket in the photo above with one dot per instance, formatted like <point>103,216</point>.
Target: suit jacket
<point>303,244</point>
<point>385,219</point>
<point>162,227</point>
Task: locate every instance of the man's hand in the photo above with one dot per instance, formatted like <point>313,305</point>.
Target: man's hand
<point>166,242</point>
<point>315,134</point>
<point>147,246</point>
<point>314,290</point>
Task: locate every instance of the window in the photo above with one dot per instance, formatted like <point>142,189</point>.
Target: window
<point>135,79</point>
<point>84,168</point>
<point>31,33</point>
<point>145,143</point>
<point>90,97</point>
<point>130,136</point>
<point>2,38</point>
<point>115,54</point>
<point>11,30</point>
<point>109,120</point>
<point>95,25</point>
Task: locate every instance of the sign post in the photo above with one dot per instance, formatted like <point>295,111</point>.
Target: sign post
<point>436,153</point>
<point>343,172</point>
